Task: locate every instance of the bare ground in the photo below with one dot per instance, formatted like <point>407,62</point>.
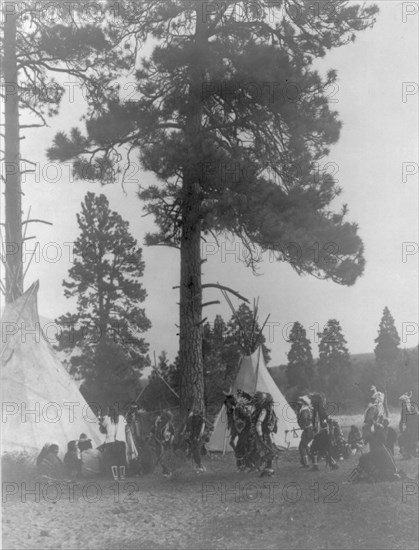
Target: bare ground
<point>220,509</point>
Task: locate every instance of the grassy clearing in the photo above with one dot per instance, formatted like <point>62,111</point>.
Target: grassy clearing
<point>221,509</point>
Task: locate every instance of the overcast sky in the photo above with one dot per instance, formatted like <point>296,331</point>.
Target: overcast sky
<point>380,133</point>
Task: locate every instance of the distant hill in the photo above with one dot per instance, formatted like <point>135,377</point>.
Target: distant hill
<point>357,359</point>
<point>361,370</point>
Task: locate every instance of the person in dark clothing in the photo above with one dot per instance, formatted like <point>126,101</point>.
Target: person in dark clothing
<point>390,436</point>
<point>378,464</point>
<point>323,446</point>
<point>91,459</point>
<point>355,441</point>
<point>42,454</point>
<point>51,465</point>
<point>162,436</point>
<point>72,460</point>
<point>193,435</point>
<point>339,447</point>
<point>305,417</point>
<point>263,424</point>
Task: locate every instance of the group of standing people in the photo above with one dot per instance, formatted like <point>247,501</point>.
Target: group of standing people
<point>165,439</point>
<point>252,422</point>
<point>320,435</point>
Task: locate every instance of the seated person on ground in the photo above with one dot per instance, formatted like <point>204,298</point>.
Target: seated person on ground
<point>378,464</point>
<point>339,447</point>
<point>42,454</point>
<point>51,465</point>
<point>91,459</point>
<point>72,460</point>
<point>355,440</point>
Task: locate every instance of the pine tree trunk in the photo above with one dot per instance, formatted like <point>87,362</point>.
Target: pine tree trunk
<point>13,197</point>
<point>190,344</point>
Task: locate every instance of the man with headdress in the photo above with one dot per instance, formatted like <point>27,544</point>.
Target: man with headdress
<point>263,423</point>
<point>324,445</point>
<point>239,409</point>
<point>374,413</point>
<point>305,421</point>
<point>163,435</point>
<point>376,405</point>
<point>193,435</point>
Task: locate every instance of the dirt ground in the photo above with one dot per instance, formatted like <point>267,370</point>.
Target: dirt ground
<point>219,509</point>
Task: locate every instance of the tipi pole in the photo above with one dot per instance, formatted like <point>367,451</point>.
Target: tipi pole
<point>168,385</point>
<point>255,312</point>
<point>261,330</point>
<point>141,393</point>
<point>225,439</point>
<point>257,369</point>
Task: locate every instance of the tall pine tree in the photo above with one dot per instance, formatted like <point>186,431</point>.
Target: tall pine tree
<point>387,355</point>
<point>240,163</point>
<point>334,364</point>
<point>216,367</point>
<point>300,368</point>
<point>105,333</point>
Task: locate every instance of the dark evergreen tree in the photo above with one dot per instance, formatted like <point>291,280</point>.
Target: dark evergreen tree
<point>300,368</point>
<point>110,378</point>
<point>158,395</point>
<point>106,281</point>
<point>244,335</point>
<point>240,163</point>
<point>334,364</point>
<point>215,366</point>
<point>387,355</point>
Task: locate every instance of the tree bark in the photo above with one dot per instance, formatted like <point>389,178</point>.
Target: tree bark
<point>190,325</point>
<point>13,194</point>
<point>190,345</point>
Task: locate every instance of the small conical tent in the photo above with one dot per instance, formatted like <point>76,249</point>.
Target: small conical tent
<point>40,401</point>
<point>254,376</point>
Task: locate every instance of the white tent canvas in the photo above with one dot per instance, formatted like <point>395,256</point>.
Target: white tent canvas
<point>254,376</point>
<point>40,401</point>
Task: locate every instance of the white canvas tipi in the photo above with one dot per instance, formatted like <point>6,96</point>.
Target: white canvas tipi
<point>254,376</point>
<point>40,401</point>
